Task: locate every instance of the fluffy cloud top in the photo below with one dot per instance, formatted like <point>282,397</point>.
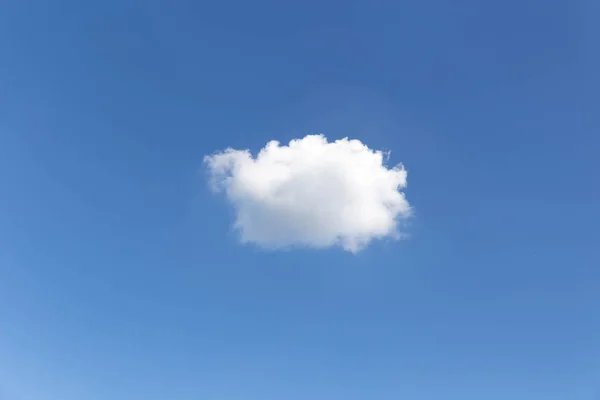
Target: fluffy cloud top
<point>311,193</point>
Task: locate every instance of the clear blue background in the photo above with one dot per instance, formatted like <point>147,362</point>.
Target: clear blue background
<point>120,277</point>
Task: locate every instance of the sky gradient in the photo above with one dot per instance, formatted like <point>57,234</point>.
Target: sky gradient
<point>120,274</point>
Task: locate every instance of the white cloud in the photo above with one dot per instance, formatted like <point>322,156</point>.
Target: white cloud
<point>311,193</point>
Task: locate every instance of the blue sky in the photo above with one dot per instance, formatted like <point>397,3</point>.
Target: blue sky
<point>121,276</point>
